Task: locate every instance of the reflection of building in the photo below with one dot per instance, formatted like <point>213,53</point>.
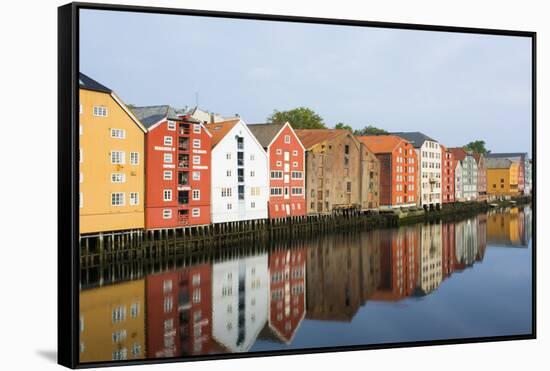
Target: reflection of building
<point>178,168</point>
<point>112,322</point>
<point>399,263</point>
<point>287,270</point>
<point>286,158</point>
<point>448,239</point>
<point>240,290</point>
<point>466,248</point>
<point>111,161</point>
<point>430,270</point>
<point>333,275</point>
<point>179,310</point>
<point>481,236</point>
<point>510,228</point>
<point>370,259</point>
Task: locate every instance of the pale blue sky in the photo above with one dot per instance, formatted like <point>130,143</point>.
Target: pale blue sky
<point>453,87</point>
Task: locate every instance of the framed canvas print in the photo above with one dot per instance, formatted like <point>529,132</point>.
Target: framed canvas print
<point>237,185</point>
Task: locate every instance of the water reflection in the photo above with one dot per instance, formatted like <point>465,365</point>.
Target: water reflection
<point>230,304</point>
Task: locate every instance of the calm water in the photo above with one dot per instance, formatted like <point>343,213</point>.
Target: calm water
<point>441,280</point>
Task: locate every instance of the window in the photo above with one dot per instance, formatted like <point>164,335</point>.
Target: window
<point>277,174</point>
<point>100,111</point>
<point>80,109</point>
<point>254,191</point>
<point>287,139</point>
<point>297,175</point>
<point>295,164</point>
<point>118,133</point>
<point>167,193</point>
<point>80,200</point>
<point>229,206</point>
<point>252,205</point>
<point>80,129</point>
<point>168,304</point>
<point>167,175</point>
<point>167,158</point>
<point>196,194</point>
<point>117,199</point>
<point>297,191</point>
<point>276,191</point>
<point>295,153</point>
<point>196,143</point>
<point>196,175</point>
<point>168,141</point>
<point>118,178</point>
<point>252,157</point>
<point>228,156</point>
<point>120,354</point>
<point>134,198</point>
<point>119,336</point>
<point>166,214</point>
<point>118,314</point>
<point>136,349</point>
<point>134,158</point>
<point>196,128</point>
<point>171,125</point>
<point>196,160</point>
<point>80,155</point>
<point>226,192</point>
<point>196,212</point>
<point>117,157</point>
<point>279,163</point>
<point>252,173</point>
<point>279,151</point>
<point>197,296</point>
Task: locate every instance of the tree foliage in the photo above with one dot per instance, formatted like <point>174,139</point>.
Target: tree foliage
<point>476,146</point>
<point>370,130</point>
<point>341,125</point>
<point>299,118</point>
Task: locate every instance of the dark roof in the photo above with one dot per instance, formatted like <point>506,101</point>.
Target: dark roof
<point>416,138</point>
<point>265,133</point>
<point>87,83</point>
<point>150,115</point>
<point>497,163</point>
<point>521,155</point>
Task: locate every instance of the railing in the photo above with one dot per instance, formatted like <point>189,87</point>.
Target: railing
<point>183,164</point>
<point>240,178</point>
<point>185,131</point>
<point>240,162</point>
<point>183,148</point>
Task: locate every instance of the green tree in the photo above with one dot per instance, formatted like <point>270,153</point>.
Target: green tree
<point>476,146</point>
<point>370,130</point>
<point>299,118</point>
<point>341,125</point>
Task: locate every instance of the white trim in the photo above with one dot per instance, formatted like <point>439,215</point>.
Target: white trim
<point>128,112</point>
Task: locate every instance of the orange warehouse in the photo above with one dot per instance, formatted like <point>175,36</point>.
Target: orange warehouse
<point>398,169</point>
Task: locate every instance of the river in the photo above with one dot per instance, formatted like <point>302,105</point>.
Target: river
<point>427,281</point>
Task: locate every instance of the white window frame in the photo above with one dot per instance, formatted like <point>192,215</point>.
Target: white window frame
<point>168,175</point>
<point>196,128</point>
<point>81,200</point>
<point>123,195</point>
<point>122,157</point>
<point>167,214</point>
<point>196,160</point>
<point>118,133</point>
<point>171,125</point>
<point>198,193</point>
<point>134,158</point>
<point>134,198</point>
<point>287,139</point>
<point>118,178</point>
<point>195,212</point>
<point>168,158</point>
<point>295,152</point>
<point>196,175</point>
<point>196,143</point>
<point>100,111</point>
<point>168,140</point>
<point>167,195</point>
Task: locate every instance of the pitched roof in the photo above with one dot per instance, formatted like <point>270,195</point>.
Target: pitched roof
<point>220,129</point>
<point>459,153</point>
<point>381,143</point>
<point>497,163</point>
<point>478,156</point>
<point>265,133</point>
<point>416,138</point>
<point>312,137</point>
<point>86,82</point>
<point>521,155</point>
<point>150,115</point>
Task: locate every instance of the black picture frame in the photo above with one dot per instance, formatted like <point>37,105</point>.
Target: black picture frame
<point>68,210</point>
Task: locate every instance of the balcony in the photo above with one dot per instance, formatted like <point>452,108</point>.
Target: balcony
<point>183,161</point>
<point>183,178</point>
<point>183,197</point>
<point>183,144</point>
<point>184,129</point>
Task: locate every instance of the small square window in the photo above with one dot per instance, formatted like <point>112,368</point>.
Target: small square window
<point>168,175</point>
<point>171,125</point>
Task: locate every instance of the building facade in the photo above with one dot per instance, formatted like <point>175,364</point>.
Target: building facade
<point>398,169</point>
<point>502,177</point>
<point>448,167</point>
<point>286,159</point>
<point>428,153</point>
<point>178,164</point>
<point>524,168</point>
<point>240,182</point>
<point>111,161</point>
<point>467,190</point>
<point>481,176</point>
<point>341,173</point>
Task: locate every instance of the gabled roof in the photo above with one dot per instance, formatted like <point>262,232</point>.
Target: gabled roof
<point>521,155</point>
<point>88,83</point>
<point>478,156</point>
<point>416,138</point>
<point>265,133</point>
<point>497,163</point>
<point>150,115</point>
<point>220,129</point>
<point>381,143</point>
<point>459,153</point>
<point>311,137</point>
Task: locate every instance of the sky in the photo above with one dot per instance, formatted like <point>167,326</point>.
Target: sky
<point>452,87</point>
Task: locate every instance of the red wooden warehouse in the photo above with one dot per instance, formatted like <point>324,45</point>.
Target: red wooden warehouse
<point>448,166</point>
<point>286,158</point>
<point>178,168</point>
